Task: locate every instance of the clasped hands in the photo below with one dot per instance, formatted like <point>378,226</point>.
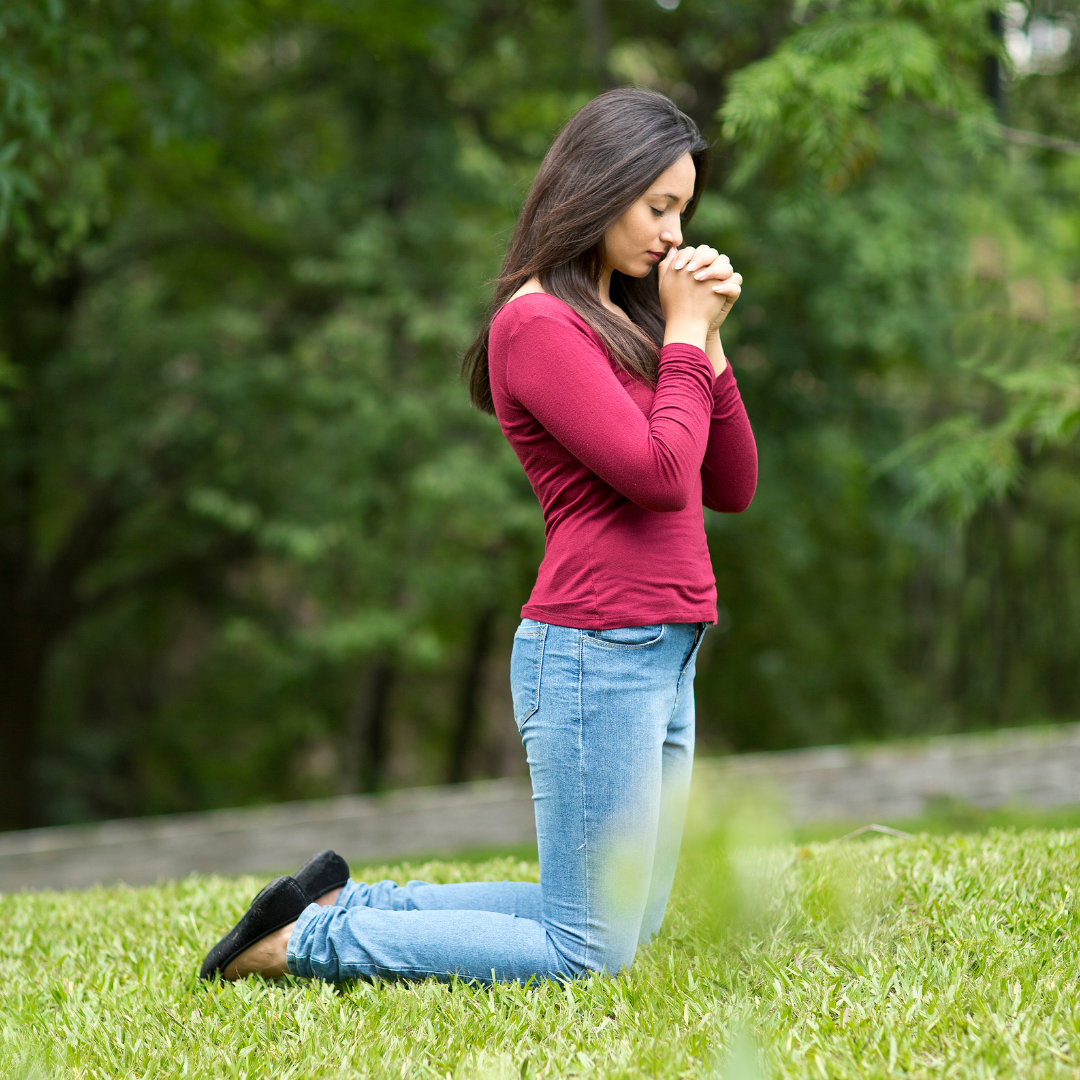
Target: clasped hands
<point>698,286</point>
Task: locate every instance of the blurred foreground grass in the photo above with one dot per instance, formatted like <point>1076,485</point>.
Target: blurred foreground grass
<point>929,957</point>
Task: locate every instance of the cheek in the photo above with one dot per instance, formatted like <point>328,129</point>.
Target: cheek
<point>634,233</point>
<point>638,232</point>
<point>646,227</point>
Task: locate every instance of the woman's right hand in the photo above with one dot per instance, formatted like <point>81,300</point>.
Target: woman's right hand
<point>691,307</point>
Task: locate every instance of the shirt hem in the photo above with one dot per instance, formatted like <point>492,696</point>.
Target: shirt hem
<point>613,622</point>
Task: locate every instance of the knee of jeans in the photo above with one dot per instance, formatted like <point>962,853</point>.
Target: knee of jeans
<point>608,961</point>
<point>577,962</point>
<point>616,963</point>
<point>648,932</point>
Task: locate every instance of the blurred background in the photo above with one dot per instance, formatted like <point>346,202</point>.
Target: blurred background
<point>254,544</point>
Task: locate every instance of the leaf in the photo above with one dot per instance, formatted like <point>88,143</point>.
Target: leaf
<point>817,94</point>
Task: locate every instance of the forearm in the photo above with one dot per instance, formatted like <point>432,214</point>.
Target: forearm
<point>729,471</point>
<point>686,330</point>
<point>568,384</point>
<point>714,350</point>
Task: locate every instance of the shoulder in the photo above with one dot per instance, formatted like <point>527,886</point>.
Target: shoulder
<point>536,310</point>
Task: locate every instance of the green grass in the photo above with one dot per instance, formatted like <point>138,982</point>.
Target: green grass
<point>931,957</point>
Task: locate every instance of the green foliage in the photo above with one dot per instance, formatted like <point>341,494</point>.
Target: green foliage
<point>255,546</point>
<point>918,291</point>
<point>819,91</point>
<point>823,97</point>
<point>933,956</point>
<point>1016,389</point>
<point>256,377</point>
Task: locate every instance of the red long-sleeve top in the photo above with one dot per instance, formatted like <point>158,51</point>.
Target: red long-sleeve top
<point>621,468</point>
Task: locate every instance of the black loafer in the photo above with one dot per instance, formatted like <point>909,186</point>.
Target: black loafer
<point>279,904</point>
<point>322,873</point>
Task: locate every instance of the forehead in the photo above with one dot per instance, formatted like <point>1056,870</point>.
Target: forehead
<point>677,180</point>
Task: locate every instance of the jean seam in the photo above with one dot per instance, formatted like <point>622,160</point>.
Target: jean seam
<point>542,636</point>
<point>584,792</point>
<point>699,634</point>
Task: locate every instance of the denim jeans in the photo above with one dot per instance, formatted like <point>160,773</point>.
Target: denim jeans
<point>607,720</point>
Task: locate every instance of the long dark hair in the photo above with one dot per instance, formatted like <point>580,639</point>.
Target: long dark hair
<point>602,161</point>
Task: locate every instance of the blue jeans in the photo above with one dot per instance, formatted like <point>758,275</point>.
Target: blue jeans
<point>607,719</point>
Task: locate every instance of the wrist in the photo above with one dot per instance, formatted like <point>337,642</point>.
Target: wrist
<point>686,331</point>
<point>714,349</point>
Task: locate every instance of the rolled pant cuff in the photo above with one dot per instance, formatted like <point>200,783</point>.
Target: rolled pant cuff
<point>298,962</point>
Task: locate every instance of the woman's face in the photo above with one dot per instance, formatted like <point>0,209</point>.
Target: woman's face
<point>641,237</point>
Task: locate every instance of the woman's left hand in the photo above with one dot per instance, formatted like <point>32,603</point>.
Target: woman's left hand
<point>707,264</point>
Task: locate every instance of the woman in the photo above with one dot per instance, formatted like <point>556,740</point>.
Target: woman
<point>602,360</point>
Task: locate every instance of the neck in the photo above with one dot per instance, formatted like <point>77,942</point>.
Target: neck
<point>605,291</point>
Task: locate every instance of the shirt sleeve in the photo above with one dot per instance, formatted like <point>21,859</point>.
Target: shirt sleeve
<point>729,471</point>
<point>566,382</point>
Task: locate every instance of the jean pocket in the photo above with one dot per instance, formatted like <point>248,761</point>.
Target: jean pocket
<point>526,662</point>
<point>628,637</point>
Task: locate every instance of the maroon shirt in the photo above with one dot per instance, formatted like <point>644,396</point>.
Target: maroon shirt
<point>621,469</point>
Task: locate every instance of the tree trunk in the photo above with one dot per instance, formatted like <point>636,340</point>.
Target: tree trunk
<point>468,716</point>
<point>594,15</point>
<point>23,655</point>
<point>993,76</point>
<point>366,743</point>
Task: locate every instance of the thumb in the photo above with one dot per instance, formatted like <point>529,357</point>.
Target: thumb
<point>664,264</point>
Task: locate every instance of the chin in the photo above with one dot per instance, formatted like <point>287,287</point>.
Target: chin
<point>638,270</point>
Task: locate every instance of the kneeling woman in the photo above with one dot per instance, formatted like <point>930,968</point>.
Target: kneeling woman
<point>602,360</point>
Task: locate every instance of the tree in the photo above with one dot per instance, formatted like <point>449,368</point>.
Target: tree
<point>255,545</point>
<point>874,153</point>
<point>241,288</point>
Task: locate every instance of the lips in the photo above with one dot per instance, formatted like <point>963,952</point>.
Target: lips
<point>656,256</point>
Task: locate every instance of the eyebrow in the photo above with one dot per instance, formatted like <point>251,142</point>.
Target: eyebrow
<point>673,198</point>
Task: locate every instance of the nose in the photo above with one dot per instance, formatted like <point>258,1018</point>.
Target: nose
<point>672,237</point>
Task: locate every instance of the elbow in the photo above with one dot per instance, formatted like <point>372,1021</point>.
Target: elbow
<point>731,490</point>
<point>742,503</point>
<point>672,504</point>
<point>734,501</point>
<point>668,500</point>
<point>743,499</point>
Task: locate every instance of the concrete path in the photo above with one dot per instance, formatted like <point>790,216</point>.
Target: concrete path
<point>1034,766</point>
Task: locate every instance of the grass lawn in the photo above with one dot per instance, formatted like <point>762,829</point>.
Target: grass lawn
<point>931,957</point>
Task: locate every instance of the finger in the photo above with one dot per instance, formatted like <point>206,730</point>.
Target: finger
<point>728,289</point>
<point>717,262</point>
<point>720,270</point>
<point>685,254</point>
<point>702,256</point>
<point>735,281</point>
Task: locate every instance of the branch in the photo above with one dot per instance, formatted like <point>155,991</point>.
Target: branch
<point>1014,135</point>
<point>1035,138</point>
